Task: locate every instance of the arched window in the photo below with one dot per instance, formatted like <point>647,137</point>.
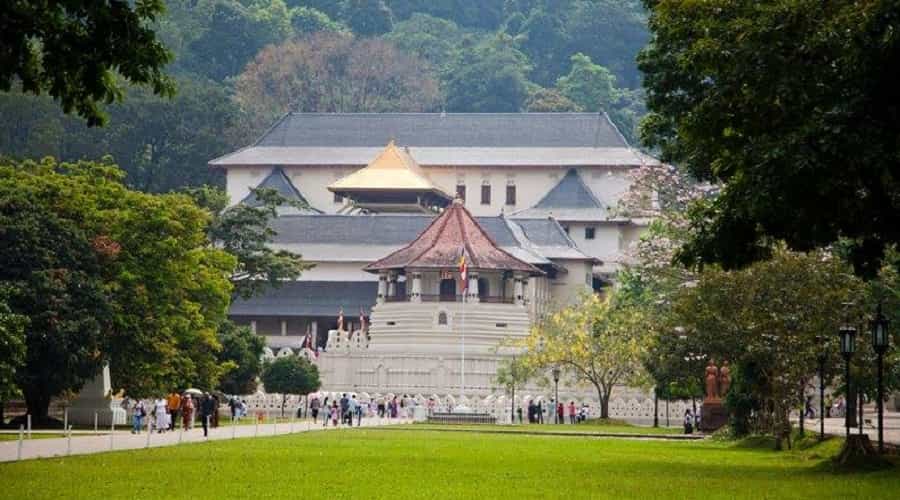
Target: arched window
<point>442,318</point>
<point>483,288</point>
<point>448,290</point>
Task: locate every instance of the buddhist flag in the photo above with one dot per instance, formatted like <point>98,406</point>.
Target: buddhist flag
<point>362,320</point>
<point>463,270</point>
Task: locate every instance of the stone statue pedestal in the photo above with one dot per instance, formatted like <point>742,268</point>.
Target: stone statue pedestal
<point>713,415</point>
<point>96,398</point>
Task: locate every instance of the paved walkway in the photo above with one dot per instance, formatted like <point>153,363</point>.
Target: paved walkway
<point>124,440</point>
<point>835,426</point>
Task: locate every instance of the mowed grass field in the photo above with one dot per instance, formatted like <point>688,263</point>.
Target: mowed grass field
<point>399,464</point>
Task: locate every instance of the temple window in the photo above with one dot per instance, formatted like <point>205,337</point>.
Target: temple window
<point>461,191</point>
<point>590,233</point>
<point>485,194</point>
<point>338,198</point>
<point>442,318</point>
<point>510,194</point>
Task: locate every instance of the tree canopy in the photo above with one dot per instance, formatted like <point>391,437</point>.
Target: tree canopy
<point>291,375</point>
<point>77,51</point>
<point>104,273</point>
<point>788,106</point>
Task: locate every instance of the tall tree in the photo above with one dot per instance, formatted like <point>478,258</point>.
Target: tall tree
<point>787,105</point>
<point>291,375</point>
<point>77,51</point>
<point>333,72</point>
<point>106,273</point>
<point>597,342</point>
<point>245,231</point>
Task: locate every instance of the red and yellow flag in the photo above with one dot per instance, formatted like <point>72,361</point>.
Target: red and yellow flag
<point>463,270</point>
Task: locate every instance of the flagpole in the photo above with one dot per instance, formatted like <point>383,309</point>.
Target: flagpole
<point>462,385</point>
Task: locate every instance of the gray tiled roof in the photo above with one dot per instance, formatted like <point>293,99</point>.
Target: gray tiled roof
<point>279,181</point>
<point>570,199</point>
<point>453,130</point>
<point>374,230</point>
<point>310,298</point>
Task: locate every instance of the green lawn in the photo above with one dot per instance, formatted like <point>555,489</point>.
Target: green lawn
<point>394,464</point>
<point>612,427</point>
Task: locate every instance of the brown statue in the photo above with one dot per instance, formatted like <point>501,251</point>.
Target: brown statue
<point>712,382</point>
<point>724,379</point>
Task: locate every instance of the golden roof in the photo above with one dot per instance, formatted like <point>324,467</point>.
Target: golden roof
<point>392,169</point>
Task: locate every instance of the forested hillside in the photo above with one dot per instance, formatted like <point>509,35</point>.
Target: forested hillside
<point>240,64</point>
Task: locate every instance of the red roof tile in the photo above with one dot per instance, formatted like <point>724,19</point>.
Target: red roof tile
<point>440,245</point>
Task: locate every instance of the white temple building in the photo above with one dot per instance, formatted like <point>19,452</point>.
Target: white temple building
<point>391,203</point>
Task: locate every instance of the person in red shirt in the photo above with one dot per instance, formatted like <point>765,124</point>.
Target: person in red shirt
<point>560,416</point>
<point>572,412</point>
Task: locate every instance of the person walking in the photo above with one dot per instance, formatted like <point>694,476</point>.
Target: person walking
<point>358,407</point>
<point>344,408</point>
<point>540,412</point>
<point>572,412</point>
<point>187,411</point>
<point>560,413</point>
<point>335,410</point>
<point>161,412</point>
<point>314,409</point>
<point>688,422</point>
<point>519,414</point>
<point>207,408</point>
<point>137,416</point>
<point>173,404</point>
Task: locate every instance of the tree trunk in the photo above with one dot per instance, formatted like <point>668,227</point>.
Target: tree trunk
<point>604,403</point>
<point>38,406</point>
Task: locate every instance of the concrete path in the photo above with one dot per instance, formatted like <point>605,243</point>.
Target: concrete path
<point>835,426</point>
<point>123,440</point>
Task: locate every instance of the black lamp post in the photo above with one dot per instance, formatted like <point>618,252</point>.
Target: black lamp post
<point>848,347</point>
<point>556,372</point>
<point>880,341</point>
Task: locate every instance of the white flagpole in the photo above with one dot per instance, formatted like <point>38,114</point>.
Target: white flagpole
<point>462,385</point>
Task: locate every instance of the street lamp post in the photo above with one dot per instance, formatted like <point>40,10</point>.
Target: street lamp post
<point>512,411</point>
<point>880,340</point>
<point>556,372</point>
<point>848,347</point>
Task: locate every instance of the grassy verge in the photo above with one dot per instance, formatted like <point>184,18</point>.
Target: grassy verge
<point>421,464</point>
<point>590,427</point>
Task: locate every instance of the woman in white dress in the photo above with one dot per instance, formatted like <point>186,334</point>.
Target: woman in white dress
<point>162,416</point>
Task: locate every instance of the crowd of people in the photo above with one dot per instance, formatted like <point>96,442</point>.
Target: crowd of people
<point>165,411</point>
<point>558,413</point>
<point>343,410</point>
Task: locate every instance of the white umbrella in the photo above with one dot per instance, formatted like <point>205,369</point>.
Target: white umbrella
<point>196,392</point>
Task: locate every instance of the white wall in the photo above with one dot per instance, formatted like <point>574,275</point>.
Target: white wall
<point>567,288</point>
<point>532,183</point>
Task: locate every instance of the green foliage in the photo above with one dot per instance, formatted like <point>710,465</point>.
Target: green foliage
<point>12,344</point>
<point>235,34</point>
<point>788,106</point>
<point>246,233</point>
<point>599,342</point>
<point>291,375</point>
<point>106,273</point>
<point>743,399</point>
<point>162,144</point>
<point>77,51</point>
<point>489,77</point>
<point>368,17</point>
<point>241,353</point>
<point>306,20</point>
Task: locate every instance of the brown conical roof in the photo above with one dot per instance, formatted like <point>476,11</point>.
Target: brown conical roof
<point>440,245</point>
